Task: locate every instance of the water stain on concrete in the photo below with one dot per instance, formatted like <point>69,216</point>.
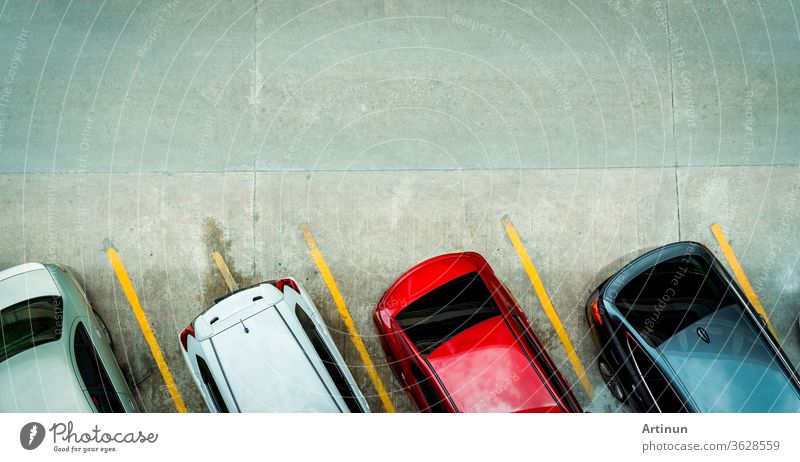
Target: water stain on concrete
<point>215,240</point>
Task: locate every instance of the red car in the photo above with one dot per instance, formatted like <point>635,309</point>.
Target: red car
<point>457,341</point>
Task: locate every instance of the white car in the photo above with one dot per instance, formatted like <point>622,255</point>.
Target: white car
<point>265,349</point>
<point>55,351</point>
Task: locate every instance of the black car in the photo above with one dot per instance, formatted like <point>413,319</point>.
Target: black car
<point>677,334</point>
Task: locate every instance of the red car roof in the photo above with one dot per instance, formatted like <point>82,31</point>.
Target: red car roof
<point>484,369</point>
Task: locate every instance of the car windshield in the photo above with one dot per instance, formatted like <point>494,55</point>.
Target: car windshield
<point>673,294</point>
<point>28,324</point>
<point>448,310</point>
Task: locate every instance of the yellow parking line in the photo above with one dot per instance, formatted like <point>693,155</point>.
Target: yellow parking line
<point>144,324</point>
<point>738,272</point>
<point>547,305</point>
<point>325,272</point>
<point>226,273</point>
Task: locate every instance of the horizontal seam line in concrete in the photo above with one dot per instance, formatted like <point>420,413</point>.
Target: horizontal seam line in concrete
<point>399,170</point>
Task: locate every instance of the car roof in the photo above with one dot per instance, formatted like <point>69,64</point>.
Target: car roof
<point>286,379</point>
<point>256,325</point>
<point>41,379</point>
<point>19,269</point>
<point>25,282</point>
<point>735,370</point>
<point>484,369</point>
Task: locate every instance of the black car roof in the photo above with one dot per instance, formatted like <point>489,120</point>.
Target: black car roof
<point>721,368</point>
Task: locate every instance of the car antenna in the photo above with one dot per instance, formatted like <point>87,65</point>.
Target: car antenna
<point>246,330</point>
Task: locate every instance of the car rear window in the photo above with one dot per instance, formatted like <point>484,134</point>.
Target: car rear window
<point>448,310</point>
<point>28,324</point>
<point>666,298</point>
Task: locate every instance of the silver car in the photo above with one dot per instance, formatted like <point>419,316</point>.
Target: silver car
<point>266,349</point>
<point>55,352</point>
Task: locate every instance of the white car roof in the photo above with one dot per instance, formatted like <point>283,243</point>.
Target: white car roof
<point>23,268</point>
<point>257,327</point>
<point>41,379</point>
<point>25,282</point>
<point>284,381</point>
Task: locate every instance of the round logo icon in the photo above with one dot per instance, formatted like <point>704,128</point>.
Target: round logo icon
<point>31,435</point>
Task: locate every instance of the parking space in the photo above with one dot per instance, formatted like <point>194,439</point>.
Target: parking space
<point>392,132</point>
<point>371,228</point>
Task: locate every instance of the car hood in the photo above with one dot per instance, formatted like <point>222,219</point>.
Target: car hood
<point>41,379</point>
<point>484,369</point>
<point>735,371</point>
